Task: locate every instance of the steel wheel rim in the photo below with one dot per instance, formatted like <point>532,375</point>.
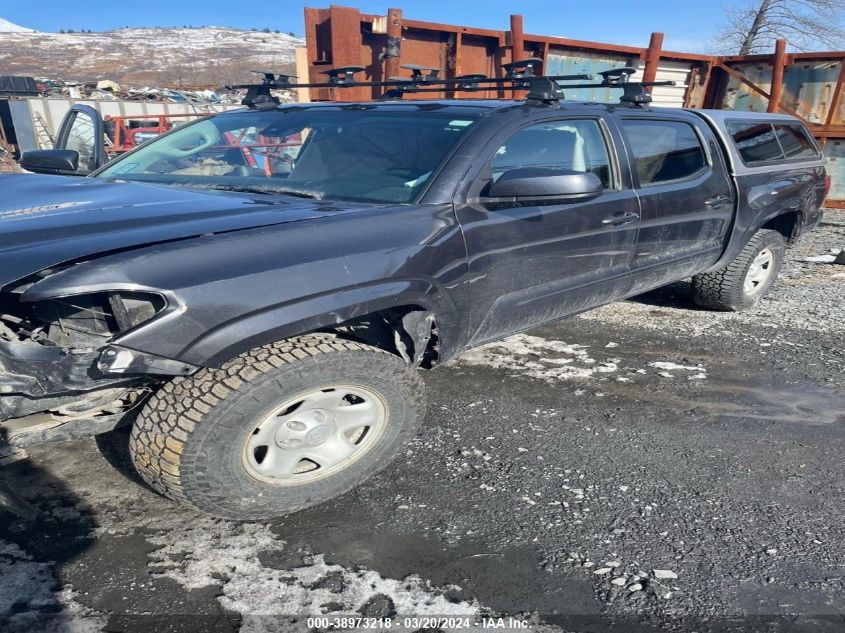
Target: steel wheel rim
<point>314,435</point>
<point>759,272</point>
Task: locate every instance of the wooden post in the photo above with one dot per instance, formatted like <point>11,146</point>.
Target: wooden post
<point>394,37</point>
<point>778,62</point>
<point>652,58</point>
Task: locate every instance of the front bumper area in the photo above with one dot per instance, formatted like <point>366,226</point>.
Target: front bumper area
<point>37,370</point>
<point>36,378</point>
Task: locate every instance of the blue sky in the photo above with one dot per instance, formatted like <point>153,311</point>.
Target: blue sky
<point>687,27</point>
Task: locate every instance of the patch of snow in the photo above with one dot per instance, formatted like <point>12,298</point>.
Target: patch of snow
<point>30,591</point>
<point>25,582</point>
<point>211,552</point>
<point>10,27</point>
<point>668,367</point>
<point>537,357</point>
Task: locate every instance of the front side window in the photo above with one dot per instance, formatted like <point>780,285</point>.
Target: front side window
<point>574,145</point>
<point>664,150</point>
<point>362,155</point>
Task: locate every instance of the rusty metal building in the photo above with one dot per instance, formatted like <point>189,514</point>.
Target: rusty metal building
<point>806,85</point>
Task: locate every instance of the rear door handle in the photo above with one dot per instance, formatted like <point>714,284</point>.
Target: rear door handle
<point>717,201</point>
<point>619,220</point>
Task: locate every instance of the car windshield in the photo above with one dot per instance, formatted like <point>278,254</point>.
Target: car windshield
<point>368,155</point>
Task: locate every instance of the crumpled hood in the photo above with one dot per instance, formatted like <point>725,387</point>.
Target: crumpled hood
<point>47,220</point>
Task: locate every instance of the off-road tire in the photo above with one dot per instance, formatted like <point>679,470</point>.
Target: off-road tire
<point>723,289</point>
<point>187,441</point>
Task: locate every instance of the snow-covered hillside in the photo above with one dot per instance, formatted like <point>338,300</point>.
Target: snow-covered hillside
<point>9,27</point>
<point>142,56</point>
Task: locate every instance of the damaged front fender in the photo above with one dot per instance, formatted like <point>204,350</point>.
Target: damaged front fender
<point>56,354</point>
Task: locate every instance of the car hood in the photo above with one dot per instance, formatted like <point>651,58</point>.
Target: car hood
<point>48,220</point>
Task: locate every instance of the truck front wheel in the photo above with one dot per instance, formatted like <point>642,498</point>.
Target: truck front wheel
<point>741,284</point>
<point>278,429</point>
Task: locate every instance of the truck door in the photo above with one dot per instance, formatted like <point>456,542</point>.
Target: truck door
<point>686,197</point>
<point>534,261</point>
<point>82,131</point>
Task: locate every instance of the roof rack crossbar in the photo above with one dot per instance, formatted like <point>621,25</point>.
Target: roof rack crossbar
<point>519,76</point>
<point>346,82</point>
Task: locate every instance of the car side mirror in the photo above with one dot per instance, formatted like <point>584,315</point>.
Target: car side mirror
<point>545,182</point>
<point>62,162</point>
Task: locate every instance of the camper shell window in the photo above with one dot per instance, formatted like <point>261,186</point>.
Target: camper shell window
<point>764,143</point>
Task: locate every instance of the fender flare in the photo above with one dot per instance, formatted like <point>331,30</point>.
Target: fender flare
<point>739,238</point>
<point>228,340</point>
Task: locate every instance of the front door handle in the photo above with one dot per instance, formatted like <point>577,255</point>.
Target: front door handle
<point>620,220</point>
<point>717,201</point>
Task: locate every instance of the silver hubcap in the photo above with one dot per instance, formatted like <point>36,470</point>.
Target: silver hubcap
<point>314,435</point>
<point>759,272</point>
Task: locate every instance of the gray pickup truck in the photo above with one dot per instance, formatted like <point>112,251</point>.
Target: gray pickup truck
<point>255,291</point>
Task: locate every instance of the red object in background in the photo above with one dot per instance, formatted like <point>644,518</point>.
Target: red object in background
<point>124,137</point>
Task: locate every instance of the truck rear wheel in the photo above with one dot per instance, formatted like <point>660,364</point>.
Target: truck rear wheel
<point>278,429</point>
<point>741,284</point>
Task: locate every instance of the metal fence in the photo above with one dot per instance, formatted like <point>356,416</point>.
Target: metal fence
<point>806,85</point>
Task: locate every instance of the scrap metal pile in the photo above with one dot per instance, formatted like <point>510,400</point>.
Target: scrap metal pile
<point>107,90</point>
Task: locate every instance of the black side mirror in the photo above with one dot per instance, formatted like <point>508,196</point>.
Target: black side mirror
<point>63,162</point>
<point>545,182</point>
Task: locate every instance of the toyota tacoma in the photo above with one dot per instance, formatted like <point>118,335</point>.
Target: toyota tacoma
<point>256,292</point>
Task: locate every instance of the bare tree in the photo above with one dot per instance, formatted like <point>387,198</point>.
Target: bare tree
<point>754,25</point>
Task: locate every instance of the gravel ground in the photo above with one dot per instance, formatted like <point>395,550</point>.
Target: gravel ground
<point>645,466</point>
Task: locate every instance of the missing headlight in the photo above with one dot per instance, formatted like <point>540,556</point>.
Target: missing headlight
<point>131,309</point>
<point>91,320</point>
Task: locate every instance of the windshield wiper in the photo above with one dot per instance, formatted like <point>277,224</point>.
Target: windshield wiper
<point>263,190</point>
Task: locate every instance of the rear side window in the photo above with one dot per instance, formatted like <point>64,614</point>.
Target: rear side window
<point>766,143</point>
<point>664,150</point>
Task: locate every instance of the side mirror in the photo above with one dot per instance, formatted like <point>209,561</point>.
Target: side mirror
<point>545,182</point>
<point>82,130</point>
<point>63,162</point>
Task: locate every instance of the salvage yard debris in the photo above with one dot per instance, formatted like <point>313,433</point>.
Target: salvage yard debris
<point>108,90</point>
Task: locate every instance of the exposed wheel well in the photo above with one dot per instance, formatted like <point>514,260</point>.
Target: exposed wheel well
<point>785,224</point>
<point>407,331</point>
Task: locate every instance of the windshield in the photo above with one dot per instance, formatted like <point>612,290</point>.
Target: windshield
<point>374,155</point>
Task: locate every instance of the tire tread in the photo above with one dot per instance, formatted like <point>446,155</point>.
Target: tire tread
<point>159,434</point>
<point>722,289</point>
